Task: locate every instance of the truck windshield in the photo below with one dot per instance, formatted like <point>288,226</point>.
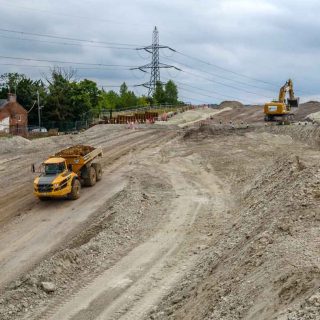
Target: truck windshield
<point>54,168</point>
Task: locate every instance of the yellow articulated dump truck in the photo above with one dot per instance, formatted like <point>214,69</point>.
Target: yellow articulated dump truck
<point>63,174</point>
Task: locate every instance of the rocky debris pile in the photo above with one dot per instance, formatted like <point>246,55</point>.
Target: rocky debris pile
<point>314,117</point>
<point>264,265</point>
<point>119,225</point>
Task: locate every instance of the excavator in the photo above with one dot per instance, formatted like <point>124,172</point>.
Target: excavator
<point>281,110</point>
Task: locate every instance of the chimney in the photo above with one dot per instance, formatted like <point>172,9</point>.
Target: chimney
<point>12,97</point>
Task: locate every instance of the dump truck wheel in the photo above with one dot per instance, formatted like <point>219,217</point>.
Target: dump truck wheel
<point>92,177</point>
<point>98,168</point>
<point>75,190</point>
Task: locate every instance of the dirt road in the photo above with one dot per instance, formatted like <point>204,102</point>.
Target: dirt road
<point>44,226</point>
<point>200,223</point>
<point>138,281</point>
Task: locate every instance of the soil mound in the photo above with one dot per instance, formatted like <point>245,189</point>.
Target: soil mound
<point>230,104</point>
<point>13,143</point>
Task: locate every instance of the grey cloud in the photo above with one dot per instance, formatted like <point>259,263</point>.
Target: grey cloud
<point>269,40</point>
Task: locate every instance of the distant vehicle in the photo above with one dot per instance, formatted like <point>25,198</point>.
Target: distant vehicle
<point>39,129</point>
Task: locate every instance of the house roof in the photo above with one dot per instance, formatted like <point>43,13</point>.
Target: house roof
<point>13,108</point>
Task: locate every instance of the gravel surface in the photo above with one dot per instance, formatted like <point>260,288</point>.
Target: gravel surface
<point>210,222</point>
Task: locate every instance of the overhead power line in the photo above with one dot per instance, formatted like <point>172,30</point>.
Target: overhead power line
<point>66,43</point>
<point>66,62</point>
<point>225,85</point>
<point>218,76</point>
<point>236,73</point>
<point>201,94</point>
<point>209,91</point>
<point>227,70</point>
<point>115,86</point>
<point>180,83</point>
<point>68,38</point>
<point>48,66</point>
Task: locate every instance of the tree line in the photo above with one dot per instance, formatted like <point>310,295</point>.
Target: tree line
<point>66,99</point>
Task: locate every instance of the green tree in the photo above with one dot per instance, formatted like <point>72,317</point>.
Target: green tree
<point>127,98</point>
<point>90,88</point>
<point>171,93</point>
<point>123,90</point>
<point>143,101</point>
<point>60,89</point>
<point>108,100</point>
<point>10,82</point>
<point>159,95</point>
<point>67,100</point>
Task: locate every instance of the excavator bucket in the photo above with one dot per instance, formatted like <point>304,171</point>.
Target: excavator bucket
<point>293,103</point>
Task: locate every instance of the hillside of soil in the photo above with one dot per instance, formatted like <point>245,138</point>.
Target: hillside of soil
<point>254,114</point>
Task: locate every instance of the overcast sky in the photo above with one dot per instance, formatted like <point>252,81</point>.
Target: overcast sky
<point>242,40</point>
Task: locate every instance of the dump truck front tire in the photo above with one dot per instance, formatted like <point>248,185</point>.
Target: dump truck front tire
<point>75,190</point>
<point>91,178</point>
<point>98,168</point>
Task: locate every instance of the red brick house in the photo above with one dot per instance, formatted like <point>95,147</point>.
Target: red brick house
<point>13,117</point>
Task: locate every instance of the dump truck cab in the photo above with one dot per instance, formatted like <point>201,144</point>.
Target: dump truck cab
<point>63,174</point>
<point>55,179</point>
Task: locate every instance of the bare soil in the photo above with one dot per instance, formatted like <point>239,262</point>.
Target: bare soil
<point>209,222</point>
<point>254,114</point>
